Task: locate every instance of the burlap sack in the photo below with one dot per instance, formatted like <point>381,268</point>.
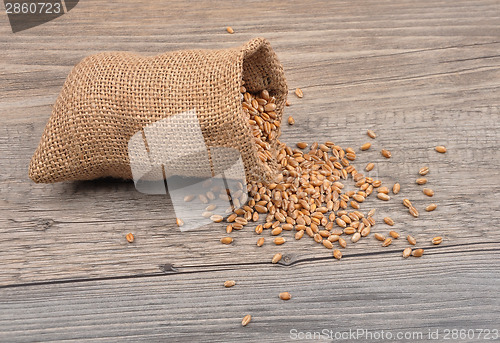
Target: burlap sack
<point>109,97</point>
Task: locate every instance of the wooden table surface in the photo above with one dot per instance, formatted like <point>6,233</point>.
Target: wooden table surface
<point>420,74</point>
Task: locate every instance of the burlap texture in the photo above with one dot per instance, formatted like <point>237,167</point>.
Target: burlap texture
<point>109,97</point>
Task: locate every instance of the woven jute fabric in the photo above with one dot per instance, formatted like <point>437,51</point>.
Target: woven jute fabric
<point>109,97</point>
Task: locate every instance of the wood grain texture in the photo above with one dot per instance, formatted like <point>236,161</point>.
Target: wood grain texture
<point>340,296</point>
<point>419,74</point>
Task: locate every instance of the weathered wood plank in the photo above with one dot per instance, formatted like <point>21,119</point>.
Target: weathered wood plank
<point>75,230</point>
<point>436,292</point>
